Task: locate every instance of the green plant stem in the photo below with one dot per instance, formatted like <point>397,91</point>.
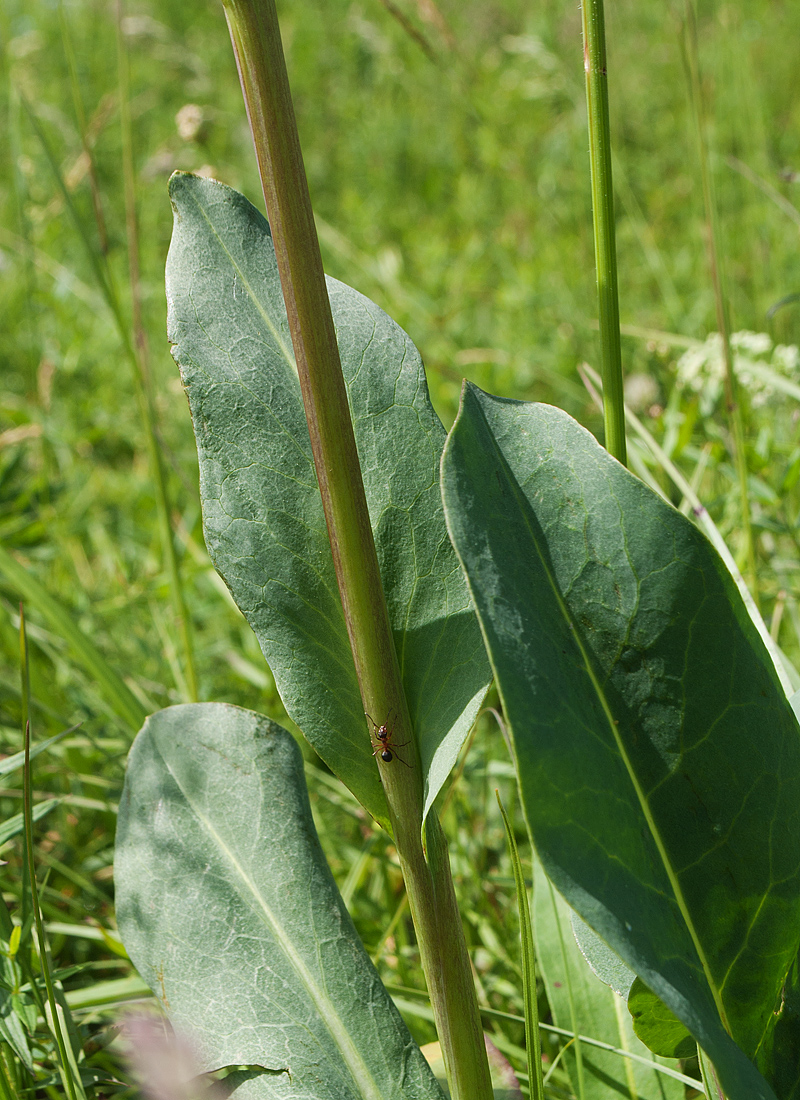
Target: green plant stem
<point>581,1090</point>
<point>126,706</point>
<point>605,245</point>
<point>732,404</point>
<point>255,35</point>
<point>26,252</point>
<point>713,1089</point>
<point>80,115</point>
<point>102,275</point>
<point>533,1041</point>
<point>28,815</point>
<point>180,610</point>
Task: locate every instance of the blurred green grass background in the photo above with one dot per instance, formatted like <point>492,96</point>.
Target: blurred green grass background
<point>447,157</point>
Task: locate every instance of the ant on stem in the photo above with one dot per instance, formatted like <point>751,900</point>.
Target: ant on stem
<point>385,745</point>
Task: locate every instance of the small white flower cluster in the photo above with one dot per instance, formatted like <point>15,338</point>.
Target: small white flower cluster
<point>702,368</point>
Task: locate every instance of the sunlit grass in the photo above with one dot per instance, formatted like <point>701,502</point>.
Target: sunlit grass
<point>449,172</point>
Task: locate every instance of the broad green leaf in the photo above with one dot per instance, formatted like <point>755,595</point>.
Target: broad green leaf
<point>229,911</point>
<point>583,1004</point>
<point>262,511</point>
<point>659,1029</point>
<point>658,758</point>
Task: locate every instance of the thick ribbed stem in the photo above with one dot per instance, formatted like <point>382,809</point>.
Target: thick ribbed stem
<point>257,45</point>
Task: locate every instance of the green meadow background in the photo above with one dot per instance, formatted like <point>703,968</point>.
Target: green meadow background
<point>447,156</point>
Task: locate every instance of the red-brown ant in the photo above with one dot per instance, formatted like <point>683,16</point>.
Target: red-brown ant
<point>386,746</point>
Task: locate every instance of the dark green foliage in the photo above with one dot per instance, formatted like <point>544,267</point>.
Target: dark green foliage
<point>659,759</point>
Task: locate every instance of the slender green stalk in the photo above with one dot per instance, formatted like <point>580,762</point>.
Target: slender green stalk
<point>605,242</point>
<point>180,610</point>
<point>67,1077</point>
<point>26,252</point>
<point>105,283</point>
<point>533,1041</point>
<point>732,404</point>
<point>255,35</point>
<point>581,1091</point>
<point>126,706</point>
<point>712,1087</point>
<point>80,115</point>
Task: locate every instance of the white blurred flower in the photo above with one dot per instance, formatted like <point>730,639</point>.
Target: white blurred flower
<point>786,358</point>
<point>701,369</point>
<point>641,391</point>
<point>757,343</point>
<point>189,121</point>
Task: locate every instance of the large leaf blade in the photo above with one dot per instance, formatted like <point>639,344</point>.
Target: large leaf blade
<point>607,616</point>
<point>262,511</point>
<point>230,913</point>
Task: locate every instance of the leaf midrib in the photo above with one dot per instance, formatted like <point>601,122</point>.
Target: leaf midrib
<point>359,1072</point>
<point>245,282</point>
<point>524,504</point>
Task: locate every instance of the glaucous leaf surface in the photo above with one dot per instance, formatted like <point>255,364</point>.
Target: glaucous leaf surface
<point>602,961</point>
<point>658,757</point>
<point>262,510</point>
<point>229,911</point>
<point>581,1002</point>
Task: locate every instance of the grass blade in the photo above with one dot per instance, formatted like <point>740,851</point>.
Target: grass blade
<point>11,763</point>
<point>715,262</point>
<point>72,1081</point>
<point>126,706</point>
<point>412,1008</point>
<point>533,1043</point>
<point>105,283</point>
<point>15,825</point>
<point>180,610</point>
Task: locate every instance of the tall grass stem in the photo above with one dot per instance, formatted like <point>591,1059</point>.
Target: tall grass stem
<point>533,1040</point>
<point>579,1066</point>
<point>256,40</point>
<point>124,703</point>
<point>140,355</point>
<point>67,1073</point>
<point>732,404</point>
<point>80,116</point>
<point>101,271</point>
<point>711,1085</point>
<point>605,244</point>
